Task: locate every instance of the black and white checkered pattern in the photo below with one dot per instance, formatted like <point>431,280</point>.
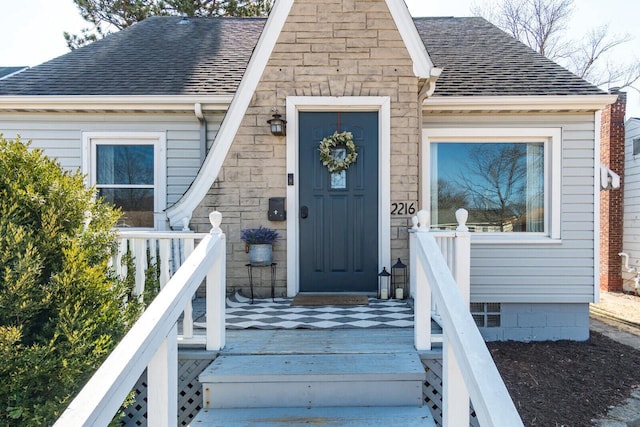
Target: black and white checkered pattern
<point>266,314</point>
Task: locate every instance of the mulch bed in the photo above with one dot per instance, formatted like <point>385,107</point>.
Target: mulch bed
<point>567,383</point>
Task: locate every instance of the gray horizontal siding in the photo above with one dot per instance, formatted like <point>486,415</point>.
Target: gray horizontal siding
<point>631,218</point>
<point>60,137</point>
<point>559,272</point>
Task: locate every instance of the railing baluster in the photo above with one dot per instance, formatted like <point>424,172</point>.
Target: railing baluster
<point>187,318</point>
<point>163,262</point>
<point>121,270</point>
<point>140,261</point>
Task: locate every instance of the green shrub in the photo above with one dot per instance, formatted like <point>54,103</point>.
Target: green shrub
<point>62,309</point>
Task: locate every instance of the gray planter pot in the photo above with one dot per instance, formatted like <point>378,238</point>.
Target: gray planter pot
<point>260,254</point>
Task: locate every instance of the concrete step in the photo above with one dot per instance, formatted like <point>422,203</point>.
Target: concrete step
<point>327,417</point>
<point>314,380</point>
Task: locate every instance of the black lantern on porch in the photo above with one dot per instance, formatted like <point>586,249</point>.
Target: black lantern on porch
<point>384,284</point>
<point>277,124</point>
<point>399,279</point>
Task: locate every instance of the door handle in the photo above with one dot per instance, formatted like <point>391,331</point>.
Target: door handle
<point>304,212</point>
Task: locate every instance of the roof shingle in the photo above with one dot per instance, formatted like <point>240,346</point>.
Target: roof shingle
<point>479,59</point>
<point>157,56</point>
<point>208,56</point>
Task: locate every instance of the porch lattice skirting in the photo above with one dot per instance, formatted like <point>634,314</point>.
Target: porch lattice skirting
<point>432,389</point>
<point>267,314</point>
<point>190,364</point>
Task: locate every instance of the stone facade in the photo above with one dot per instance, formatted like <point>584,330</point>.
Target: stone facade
<point>327,48</point>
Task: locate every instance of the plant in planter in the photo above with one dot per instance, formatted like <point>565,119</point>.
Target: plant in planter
<point>259,242</point>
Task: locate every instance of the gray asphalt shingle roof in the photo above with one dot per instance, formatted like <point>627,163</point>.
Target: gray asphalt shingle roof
<point>157,56</point>
<point>162,56</point>
<point>480,59</point>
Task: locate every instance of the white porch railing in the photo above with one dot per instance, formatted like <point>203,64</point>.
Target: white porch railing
<point>152,342</point>
<point>167,251</point>
<point>469,370</point>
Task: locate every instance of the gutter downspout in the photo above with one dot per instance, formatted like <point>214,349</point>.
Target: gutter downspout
<point>203,131</point>
<point>425,91</point>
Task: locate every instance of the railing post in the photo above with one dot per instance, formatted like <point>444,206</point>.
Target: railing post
<point>162,380</point>
<point>412,257</point>
<point>462,256</point>
<point>216,290</point>
<point>455,399</point>
<point>422,291</point>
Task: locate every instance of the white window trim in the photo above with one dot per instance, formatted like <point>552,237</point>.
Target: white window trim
<point>296,104</point>
<point>552,139</point>
<point>159,142</point>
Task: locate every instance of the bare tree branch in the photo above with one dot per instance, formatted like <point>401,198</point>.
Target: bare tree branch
<point>537,23</point>
<point>542,25</point>
<point>597,43</point>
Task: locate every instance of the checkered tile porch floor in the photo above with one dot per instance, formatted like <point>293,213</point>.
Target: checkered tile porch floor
<point>267,314</point>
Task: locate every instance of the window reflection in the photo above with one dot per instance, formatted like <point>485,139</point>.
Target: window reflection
<point>125,178</point>
<point>500,184</point>
<point>339,179</point>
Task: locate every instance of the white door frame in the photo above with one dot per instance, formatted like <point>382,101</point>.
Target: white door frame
<point>296,104</point>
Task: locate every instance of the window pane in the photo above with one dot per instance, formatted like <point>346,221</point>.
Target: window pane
<point>500,184</point>
<point>124,164</point>
<point>136,205</point>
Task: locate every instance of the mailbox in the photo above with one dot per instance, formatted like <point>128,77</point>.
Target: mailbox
<point>276,209</point>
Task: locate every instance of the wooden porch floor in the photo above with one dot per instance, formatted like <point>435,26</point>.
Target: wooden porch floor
<point>392,336</point>
<point>319,341</point>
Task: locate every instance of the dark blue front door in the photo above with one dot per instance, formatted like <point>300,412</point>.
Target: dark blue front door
<point>338,212</point>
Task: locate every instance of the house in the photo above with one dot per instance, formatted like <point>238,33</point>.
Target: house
<point>631,262</point>
<point>168,119</point>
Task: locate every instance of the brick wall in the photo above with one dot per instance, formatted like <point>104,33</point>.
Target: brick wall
<point>611,201</point>
<point>326,48</point>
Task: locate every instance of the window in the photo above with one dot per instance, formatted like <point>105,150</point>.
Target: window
<point>127,171</point>
<point>507,179</point>
<point>500,184</point>
<point>636,146</point>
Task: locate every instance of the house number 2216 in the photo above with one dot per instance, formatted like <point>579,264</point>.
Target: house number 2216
<point>403,208</point>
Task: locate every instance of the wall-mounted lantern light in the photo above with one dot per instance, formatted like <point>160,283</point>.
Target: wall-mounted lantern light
<point>278,124</point>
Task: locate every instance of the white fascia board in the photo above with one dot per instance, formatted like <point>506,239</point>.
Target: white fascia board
<point>422,63</point>
<point>14,73</point>
<point>518,103</point>
<point>184,207</point>
<point>115,103</point>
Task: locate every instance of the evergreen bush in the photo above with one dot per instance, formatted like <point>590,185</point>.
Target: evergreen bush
<point>62,308</point>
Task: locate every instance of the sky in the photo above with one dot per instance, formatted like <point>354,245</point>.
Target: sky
<point>31,30</point>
